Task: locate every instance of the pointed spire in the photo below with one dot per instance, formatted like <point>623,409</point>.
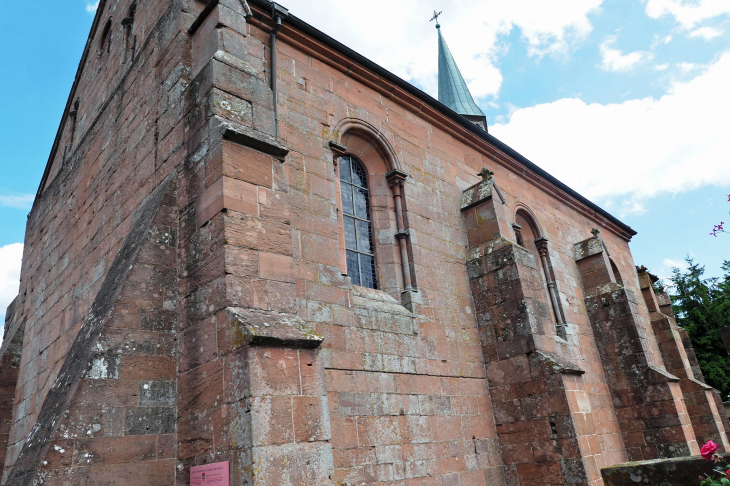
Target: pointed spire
<point>453,91</point>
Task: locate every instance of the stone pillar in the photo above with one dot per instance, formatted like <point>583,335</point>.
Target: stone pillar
<point>251,378</point>
<point>542,248</point>
<point>273,421</point>
<point>530,386</point>
<point>251,383</point>
<point>700,399</point>
<point>396,180</point>
<point>648,400</point>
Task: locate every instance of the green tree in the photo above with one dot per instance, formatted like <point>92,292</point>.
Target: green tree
<point>702,307</point>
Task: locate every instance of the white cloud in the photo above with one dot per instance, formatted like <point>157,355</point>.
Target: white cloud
<point>666,269</point>
<point>636,149</point>
<point>706,33</point>
<point>91,7</point>
<point>660,40</point>
<point>23,201</point>
<point>688,66</point>
<point>687,12</point>
<point>406,43</point>
<point>615,60</point>
<point>10,259</point>
<point>661,67</point>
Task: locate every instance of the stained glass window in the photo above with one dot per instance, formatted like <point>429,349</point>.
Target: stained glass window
<point>358,228</point>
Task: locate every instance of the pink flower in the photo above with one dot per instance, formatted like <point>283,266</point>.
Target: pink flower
<point>708,450</point>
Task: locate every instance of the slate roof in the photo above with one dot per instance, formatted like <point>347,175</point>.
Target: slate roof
<point>453,91</point>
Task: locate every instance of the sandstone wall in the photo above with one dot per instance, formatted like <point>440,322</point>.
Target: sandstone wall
<point>314,97</point>
<point>398,390</point>
<point>125,143</point>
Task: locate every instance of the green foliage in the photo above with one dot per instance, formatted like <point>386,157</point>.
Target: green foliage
<point>721,468</point>
<point>702,307</point>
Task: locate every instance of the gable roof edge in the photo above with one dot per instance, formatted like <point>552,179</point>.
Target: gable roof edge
<point>622,229</point>
<point>69,102</point>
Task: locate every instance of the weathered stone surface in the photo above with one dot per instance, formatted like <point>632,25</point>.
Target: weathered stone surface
<point>62,391</point>
<point>238,335</point>
<point>261,328</point>
<point>681,471</point>
<point>650,405</point>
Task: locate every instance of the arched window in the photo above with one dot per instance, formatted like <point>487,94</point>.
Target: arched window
<point>358,227</point>
<point>528,236</point>
<point>105,42</point>
<point>130,40</point>
<point>616,273</point>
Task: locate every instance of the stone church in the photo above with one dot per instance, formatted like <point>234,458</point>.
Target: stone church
<point>253,248</point>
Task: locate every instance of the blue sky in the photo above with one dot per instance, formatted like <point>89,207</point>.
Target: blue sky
<point>626,101</point>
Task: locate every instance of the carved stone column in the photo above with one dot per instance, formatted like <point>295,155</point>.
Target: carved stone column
<point>338,150</point>
<point>542,248</point>
<point>396,180</point>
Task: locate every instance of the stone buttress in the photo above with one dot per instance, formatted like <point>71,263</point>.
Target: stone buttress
<point>648,400</point>
<point>251,378</point>
<point>111,412</point>
<point>704,405</point>
<point>10,355</point>
<point>529,384</point>
<point>184,297</point>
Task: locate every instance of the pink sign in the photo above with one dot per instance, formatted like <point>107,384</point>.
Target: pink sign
<point>210,474</point>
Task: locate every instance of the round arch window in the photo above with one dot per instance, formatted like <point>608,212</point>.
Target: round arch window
<point>105,42</point>
<point>358,225</point>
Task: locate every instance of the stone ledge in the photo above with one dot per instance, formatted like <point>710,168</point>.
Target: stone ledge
<point>587,248</point>
<point>478,193</point>
<point>248,138</point>
<point>267,328</point>
<point>381,301</point>
<point>558,364</point>
<point>235,62</point>
<point>682,471</point>
<point>662,375</point>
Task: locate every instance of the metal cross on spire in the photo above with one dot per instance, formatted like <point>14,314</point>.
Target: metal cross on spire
<point>436,18</point>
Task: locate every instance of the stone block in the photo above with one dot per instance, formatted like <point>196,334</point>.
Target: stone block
<point>272,422</point>
<point>116,450</point>
<point>150,420</point>
<point>276,267</point>
<point>278,464</point>
<point>157,393</point>
<point>227,193</point>
<point>312,419</point>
